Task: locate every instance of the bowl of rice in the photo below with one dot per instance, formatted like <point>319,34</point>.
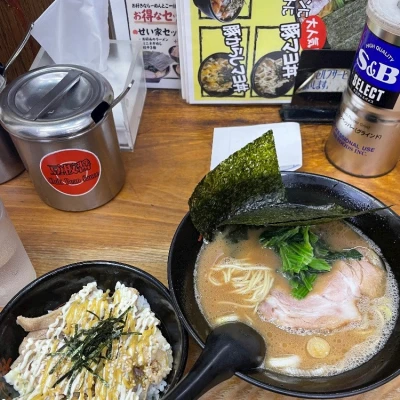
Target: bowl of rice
<point>93,330</point>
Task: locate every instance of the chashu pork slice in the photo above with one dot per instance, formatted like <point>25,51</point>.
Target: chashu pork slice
<point>38,323</point>
<point>331,304</point>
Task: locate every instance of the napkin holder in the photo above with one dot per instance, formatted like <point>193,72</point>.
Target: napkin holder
<point>125,62</point>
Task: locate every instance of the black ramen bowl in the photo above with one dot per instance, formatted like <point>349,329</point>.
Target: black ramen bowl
<point>158,78</point>
<point>52,290</point>
<point>205,6</point>
<point>382,227</point>
<point>171,49</point>
<point>214,93</point>
<point>280,91</point>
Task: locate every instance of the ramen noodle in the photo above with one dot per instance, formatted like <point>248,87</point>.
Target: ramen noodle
<point>268,77</point>
<point>216,75</point>
<point>96,346</point>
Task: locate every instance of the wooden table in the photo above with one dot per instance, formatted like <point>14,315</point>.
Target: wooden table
<point>172,153</point>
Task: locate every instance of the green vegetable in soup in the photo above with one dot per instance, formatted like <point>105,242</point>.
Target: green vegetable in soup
<point>304,255</point>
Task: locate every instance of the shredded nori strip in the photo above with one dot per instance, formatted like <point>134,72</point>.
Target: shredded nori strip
<point>87,347</point>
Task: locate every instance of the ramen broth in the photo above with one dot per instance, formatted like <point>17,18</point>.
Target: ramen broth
<point>348,346</point>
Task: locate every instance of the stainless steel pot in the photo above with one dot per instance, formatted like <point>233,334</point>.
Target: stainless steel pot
<point>74,162</point>
<point>10,163</point>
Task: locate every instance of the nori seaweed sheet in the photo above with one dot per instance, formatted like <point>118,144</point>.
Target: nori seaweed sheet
<point>247,189</point>
<point>345,25</point>
<point>249,177</point>
<point>288,214</point>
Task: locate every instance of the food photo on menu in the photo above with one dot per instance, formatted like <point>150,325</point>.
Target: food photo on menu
<point>154,23</point>
<point>198,200</point>
<point>261,42</point>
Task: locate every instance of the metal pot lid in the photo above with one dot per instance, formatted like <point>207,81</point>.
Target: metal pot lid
<point>53,102</point>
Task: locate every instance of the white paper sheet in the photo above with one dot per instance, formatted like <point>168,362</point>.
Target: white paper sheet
<point>287,142</point>
<point>75,32</point>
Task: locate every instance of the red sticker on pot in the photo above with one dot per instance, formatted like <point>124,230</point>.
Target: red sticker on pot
<point>73,172</point>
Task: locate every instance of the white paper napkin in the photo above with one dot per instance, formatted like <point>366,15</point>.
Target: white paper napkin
<point>75,32</point>
<point>287,142</point>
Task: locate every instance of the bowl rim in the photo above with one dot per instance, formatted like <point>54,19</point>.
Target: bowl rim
<point>103,264</point>
<point>156,80</point>
<point>176,59</point>
<point>174,68</point>
<point>247,378</point>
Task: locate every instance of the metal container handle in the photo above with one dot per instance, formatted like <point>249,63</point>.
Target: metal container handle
<point>54,96</point>
<point>104,108</point>
<point>16,52</point>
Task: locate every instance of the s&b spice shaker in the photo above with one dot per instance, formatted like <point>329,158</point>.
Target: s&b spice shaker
<point>365,139</point>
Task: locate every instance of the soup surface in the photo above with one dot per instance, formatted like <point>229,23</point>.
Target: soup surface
<point>345,319</point>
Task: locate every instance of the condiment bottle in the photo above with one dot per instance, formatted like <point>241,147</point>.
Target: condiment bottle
<point>365,138</point>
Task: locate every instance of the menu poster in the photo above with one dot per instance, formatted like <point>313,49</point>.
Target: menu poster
<point>247,51</point>
<point>154,22</point>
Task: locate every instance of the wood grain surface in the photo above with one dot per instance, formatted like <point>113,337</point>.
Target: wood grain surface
<point>172,153</point>
<point>15,18</point>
